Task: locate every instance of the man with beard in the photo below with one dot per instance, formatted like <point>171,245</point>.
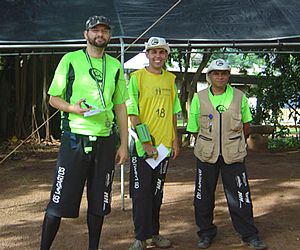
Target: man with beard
<point>89,89</point>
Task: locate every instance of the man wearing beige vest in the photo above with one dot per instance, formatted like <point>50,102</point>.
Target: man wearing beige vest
<point>220,115</point>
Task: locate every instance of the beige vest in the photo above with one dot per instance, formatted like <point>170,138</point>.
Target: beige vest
<point>220,133</point>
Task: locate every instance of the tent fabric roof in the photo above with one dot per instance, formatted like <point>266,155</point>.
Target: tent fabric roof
<point>42,21</point>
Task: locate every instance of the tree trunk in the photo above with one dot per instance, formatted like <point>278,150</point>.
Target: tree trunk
<point>4,97</point>
<point>35,135</point>
<point>17,95</point>
<point>193,85</point>
<point>184,83</point>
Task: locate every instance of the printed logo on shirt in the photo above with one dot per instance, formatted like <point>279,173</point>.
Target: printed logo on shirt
<point>96,74</point>
<point>162,91</point>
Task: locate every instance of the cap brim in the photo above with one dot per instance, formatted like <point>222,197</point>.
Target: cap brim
<point>104,24</point>
<point>165,47</point>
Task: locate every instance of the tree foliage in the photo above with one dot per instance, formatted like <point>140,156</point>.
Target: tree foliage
<point>278,85</point>
<point>278,88</point>
<point>198,59</point>
<point>185,60</point>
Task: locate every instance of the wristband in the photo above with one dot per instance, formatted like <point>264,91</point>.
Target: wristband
<point>143,132</point>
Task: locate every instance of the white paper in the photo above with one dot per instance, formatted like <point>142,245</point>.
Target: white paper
<point>92,112</point>
<point>163,152</point>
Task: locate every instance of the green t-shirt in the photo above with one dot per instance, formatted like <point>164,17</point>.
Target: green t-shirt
<point>74,80</point>
<point>223,101</point>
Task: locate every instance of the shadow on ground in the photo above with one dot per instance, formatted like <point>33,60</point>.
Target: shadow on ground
<point>274,179</point>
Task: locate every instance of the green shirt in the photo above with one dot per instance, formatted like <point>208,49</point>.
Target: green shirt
<point>73,80</point>
<point>223,101</point>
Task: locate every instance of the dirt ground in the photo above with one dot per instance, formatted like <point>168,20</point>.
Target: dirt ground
<point>25,182</point>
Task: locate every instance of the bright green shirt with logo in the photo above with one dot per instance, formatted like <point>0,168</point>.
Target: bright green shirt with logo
<point>222,102</point>
<point>74,79</point>
<point>154,99</point>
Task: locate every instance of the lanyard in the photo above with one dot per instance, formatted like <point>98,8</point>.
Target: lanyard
<point>100,83</point>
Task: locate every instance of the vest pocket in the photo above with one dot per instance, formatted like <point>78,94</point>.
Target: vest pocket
<point>235,138</point>
<point>204,122</point>
<point>204,138</point>
<point>236,149</point>
<point>205,146</point>
<point>236,123</point>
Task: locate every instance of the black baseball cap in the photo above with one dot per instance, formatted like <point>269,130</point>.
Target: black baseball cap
<point>95,20</point>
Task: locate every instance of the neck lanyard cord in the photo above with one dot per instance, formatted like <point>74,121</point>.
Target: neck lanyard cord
<point>102,82</point>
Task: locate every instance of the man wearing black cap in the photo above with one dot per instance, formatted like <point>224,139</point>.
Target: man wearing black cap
<point>89,89</point>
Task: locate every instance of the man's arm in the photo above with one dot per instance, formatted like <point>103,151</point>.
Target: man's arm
<point>246,129</point>
<point>134,120</point>
<point>246,116</point>
<point>60,104</point>
<point>175,145</point>
<point>121,114</point>
<point>150,150</point>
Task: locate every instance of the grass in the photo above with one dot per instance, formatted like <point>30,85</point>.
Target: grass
<point>283,144</point>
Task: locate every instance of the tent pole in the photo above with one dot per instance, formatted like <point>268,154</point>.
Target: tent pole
<point>194,44</point>
<point>122,166</point>
<point>122,45</point>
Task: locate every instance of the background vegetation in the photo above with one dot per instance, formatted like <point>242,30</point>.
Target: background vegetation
<point>24,81</point>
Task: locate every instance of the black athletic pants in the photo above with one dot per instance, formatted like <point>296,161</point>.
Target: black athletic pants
<point>236,188</point>
<point>81,158</point>
<point>146,191</point>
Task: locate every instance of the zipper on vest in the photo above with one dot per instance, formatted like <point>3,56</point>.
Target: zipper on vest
<point>220,133</point>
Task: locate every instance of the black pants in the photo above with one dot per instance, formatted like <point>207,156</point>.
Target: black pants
<point>236,188</point>
<point>146,191</point>
<point>82,158</point>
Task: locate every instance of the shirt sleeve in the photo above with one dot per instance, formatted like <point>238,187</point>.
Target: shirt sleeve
<point>193,125</point>
<point>121,93</point>
<point>176,106</point>
<point>59,83</point>
<point>132,102</point>
<point>246,113</point>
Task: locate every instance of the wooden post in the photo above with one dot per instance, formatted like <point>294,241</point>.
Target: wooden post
<point>45,99</point>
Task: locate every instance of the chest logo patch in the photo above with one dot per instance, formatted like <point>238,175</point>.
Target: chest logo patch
<point>96,74</point>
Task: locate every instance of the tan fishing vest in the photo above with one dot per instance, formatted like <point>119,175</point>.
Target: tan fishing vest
<point>220,133</point>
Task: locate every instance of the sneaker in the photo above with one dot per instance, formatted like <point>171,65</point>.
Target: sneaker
<point>161,242</point>
<point>204,242</point>
<point>138,245</point>
<point>256,244</point>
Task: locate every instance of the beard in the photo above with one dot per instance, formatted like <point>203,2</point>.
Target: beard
<point>99,44</point>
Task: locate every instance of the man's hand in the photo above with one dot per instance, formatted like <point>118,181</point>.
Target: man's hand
<point>77,108</point>
<point>62,105</point>
<point>121,155</point>
<point>151,151</point>
<point>122,152</point>
<point>175,149</point>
